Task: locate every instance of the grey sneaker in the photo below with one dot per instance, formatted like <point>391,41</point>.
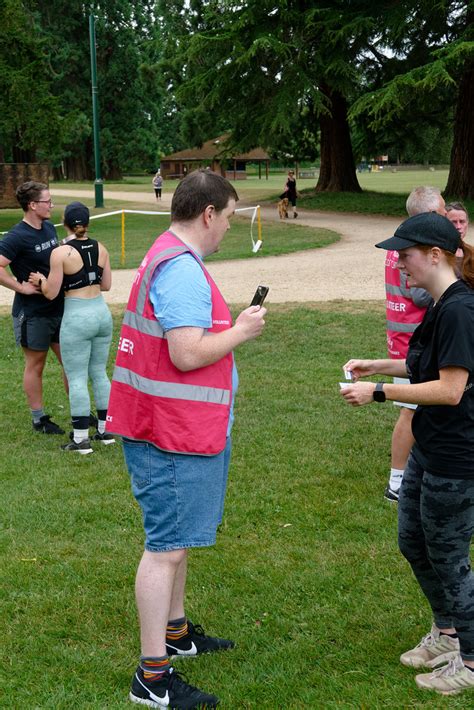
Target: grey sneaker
<point>433,649</point>
<point>84,447</point>
<point>105,438</point>
<point>450,679</point>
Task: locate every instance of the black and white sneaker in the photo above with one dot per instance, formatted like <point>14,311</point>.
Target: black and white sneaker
<point>391,495</point>
<point>84,447</point>
<point>105,438</point>
<point>196,642</point>
<point>46,426</point>
<point>171,691</point>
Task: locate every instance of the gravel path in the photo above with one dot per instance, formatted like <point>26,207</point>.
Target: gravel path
<point>351,269</point>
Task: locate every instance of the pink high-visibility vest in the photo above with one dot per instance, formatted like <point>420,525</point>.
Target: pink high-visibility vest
<point>150,399</point>
<point>403,317</point>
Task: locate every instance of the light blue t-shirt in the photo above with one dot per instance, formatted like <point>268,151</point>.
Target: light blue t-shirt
<point>181,297</point>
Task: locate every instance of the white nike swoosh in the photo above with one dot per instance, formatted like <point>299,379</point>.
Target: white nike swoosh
<point>163,701</point>
<point>179,652</point>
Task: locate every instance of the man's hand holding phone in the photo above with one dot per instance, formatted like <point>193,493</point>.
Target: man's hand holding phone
<point>259,296</point>
<point>251,320</point>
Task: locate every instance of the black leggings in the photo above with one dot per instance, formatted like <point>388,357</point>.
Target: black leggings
<point>435,527</point>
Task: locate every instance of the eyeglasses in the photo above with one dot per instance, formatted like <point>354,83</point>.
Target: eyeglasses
<point>48,202</point>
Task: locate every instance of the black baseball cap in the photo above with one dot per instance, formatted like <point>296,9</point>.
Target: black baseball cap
<point>76,214</point>
<point>428,228</point>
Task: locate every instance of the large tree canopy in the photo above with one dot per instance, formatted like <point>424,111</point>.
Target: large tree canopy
<point>267,70</point>
<point>429,79</point>
<point>298,77</point>
<point>45,77</point>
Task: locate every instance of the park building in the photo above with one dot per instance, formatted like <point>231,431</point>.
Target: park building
<point>215,155</point>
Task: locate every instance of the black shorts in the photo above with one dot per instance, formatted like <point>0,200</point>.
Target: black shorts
<point>36,332</point>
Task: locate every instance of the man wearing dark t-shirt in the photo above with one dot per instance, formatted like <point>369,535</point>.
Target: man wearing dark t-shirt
<point>27,247</point>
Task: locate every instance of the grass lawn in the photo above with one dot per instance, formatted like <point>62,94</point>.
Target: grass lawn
<point>305,575</point>
<point>142,230</point>
<point>384,192</point>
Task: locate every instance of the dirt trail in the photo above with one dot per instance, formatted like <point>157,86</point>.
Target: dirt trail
<point>351,269</point>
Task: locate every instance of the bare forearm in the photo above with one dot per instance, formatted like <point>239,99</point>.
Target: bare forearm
<point>192,348</point>
<point>448,390</point>
<point>427,393</point>
<point>393,368</point>
<point>209,349</point>
<point>9,281</point>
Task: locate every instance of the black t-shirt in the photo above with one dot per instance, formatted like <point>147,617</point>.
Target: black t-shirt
<point>29,249</point>
<point>445,434</point>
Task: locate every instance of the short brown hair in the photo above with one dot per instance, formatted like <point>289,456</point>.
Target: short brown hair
<point>197,191</point>
<point>29,192</point>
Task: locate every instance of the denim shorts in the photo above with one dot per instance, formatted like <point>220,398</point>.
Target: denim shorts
<point>181,496</point>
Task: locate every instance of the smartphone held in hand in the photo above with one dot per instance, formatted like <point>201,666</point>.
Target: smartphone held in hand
<point>260,295</point>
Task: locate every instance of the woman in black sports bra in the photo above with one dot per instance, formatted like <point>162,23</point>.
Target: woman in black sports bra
<point>81,267</point>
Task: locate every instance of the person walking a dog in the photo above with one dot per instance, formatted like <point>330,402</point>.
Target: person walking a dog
<point>291,191</point>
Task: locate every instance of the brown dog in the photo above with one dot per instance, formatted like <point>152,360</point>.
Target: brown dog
<point>283,208</point>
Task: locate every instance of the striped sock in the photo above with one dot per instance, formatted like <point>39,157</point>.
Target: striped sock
<point>176,629</point>
<point>154,668</point>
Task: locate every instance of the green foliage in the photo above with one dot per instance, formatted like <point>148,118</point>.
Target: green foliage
<point>406,108</point>
<point>23,66</point>
<point>45,79</point>
<point>305,576</point>
<point>221,57</point>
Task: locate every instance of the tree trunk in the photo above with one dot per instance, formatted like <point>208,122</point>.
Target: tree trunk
<point>76,168</point>
<point>113,172</point>
<point>23,155</point>
<point>461,170</point>
<point>337,173</point>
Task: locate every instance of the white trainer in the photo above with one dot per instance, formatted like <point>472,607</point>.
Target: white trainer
<point>434,648</point>
<point>450,679</point>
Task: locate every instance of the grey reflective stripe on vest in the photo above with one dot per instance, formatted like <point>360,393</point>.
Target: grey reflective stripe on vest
<point>402,327</point>
<point>171,251</point>
<point>143,325</point>
<point>397,290</point>
<point>172,390</point>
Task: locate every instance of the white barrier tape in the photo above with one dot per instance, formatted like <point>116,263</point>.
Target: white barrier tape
<point>255,245</point>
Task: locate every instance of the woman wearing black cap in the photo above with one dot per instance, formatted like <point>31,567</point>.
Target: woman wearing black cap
<point>81,266</point>
<point>436,504</point>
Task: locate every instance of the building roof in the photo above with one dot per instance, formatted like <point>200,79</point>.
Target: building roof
<point>216,149</point>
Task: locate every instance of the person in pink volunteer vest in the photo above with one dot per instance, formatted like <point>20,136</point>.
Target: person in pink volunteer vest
<point>171,400</point>
<point>405,310</point>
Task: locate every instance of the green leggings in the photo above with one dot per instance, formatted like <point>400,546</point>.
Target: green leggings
<point>85,336</point>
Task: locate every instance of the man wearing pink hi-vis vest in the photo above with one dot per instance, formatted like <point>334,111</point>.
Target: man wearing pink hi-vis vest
<point>405,310</point>
<point>171,400</point>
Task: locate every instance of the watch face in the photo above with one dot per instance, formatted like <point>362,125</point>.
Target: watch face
<point>379,394</point>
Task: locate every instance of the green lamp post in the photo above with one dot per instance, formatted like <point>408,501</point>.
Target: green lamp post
<point>98,182</point>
